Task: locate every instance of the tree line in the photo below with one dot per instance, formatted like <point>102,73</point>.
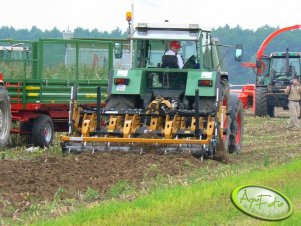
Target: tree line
<point>250,39</point>
<point>35,33</point>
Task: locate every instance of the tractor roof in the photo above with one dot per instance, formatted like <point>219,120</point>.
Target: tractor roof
<point>168,31</point>
<point>283,54</point>
<point>164,26</point>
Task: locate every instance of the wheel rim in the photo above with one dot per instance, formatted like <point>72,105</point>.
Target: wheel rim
<point>1,123</point>
<point>225,121</point>
<point>48,132</point>
<point>225,126</point>
<point>238,133</point>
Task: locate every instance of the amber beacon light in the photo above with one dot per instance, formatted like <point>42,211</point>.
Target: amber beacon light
<point>128,16</point>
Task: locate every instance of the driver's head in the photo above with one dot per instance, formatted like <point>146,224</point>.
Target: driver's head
<point>175,46</point>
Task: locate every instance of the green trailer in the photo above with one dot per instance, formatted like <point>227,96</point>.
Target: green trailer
<point>39,75</point>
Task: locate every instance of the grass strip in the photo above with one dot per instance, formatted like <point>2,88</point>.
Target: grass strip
<point>203,203</point>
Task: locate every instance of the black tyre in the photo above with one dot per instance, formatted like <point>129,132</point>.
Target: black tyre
<point>261,101</point>
<point>42,131</point>
<point>208,104</point>
<point>237,129</point>
<point>225,101</point>
<point>120,102</point>
<point>5,117</point>
<point>271,111</point>
<point>24,138</point>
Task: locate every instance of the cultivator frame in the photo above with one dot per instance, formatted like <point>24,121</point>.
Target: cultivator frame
<point>167,130</point>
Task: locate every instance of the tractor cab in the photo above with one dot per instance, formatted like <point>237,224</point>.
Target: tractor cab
<point>152,41</point>
<point>278,69</point>
<point>283,67</point>
<point>149,75</point>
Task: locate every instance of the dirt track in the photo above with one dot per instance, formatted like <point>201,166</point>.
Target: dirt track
<point>23,181</point>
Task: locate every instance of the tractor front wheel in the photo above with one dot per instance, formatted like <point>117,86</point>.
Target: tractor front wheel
<point>42,131</point>
<point>261,101</point>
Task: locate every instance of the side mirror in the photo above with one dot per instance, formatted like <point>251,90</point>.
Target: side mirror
<point>118,50</point>
<point>238,53</point>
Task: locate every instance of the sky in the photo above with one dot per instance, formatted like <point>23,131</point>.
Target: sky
<point>107,15</point>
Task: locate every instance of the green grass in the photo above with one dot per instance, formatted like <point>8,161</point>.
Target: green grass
<point>203,203</point>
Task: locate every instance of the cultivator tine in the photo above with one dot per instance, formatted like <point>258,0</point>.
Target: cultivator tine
<point>98,107</point>
<point>71,108</point>
<point>197,115</point>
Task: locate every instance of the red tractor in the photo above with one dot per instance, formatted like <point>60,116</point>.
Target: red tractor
<point>273,74</point>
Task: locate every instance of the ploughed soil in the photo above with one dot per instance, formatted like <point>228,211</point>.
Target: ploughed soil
<point>22,181</point>
<point>40,180</point>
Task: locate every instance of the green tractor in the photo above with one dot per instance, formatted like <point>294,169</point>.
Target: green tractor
<point>186,109</point>
<point>274,73</point>
<point>278,71</point>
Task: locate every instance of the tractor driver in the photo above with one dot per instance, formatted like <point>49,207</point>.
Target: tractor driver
<point>173,62</point>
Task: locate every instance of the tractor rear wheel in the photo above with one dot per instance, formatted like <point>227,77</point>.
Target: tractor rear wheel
<point>5,117</point>
<point>271,111</point>
<point>223,151</point>
<point>208,104</point>
<point>237,117</point>
<point>261,101</point>
<point>42,131</point>
<point>120,102</point>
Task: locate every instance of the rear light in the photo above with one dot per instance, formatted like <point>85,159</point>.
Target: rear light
<point>121,81</point>
<point>205,83</point>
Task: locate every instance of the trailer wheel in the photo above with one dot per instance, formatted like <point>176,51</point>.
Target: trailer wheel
<point>261,101</point>
<point>5,117</point>
<point>42,131</point>
<point>120,102</point>
<point>237,129</point>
